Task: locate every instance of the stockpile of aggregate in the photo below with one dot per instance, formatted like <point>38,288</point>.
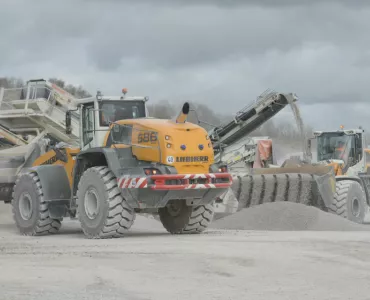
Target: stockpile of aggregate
<point>286,216</point>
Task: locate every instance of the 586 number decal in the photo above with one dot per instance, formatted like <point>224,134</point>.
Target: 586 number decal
<point>146,137</point>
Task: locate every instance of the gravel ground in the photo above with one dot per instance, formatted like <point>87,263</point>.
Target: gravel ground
<point>151,264</point>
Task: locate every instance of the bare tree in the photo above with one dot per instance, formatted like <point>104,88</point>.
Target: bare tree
<point>59,82</point>
<point>162,110</point>
<point>77,91</point>
<point>11,82</point>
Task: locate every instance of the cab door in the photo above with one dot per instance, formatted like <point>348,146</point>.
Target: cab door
<point>87,126</point>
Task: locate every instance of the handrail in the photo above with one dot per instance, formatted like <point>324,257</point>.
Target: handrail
<point>52,97</point>
<point>35,91</point>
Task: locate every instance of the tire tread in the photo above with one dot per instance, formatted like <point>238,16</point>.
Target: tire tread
<point>45,225</point>
<point>120,216</point>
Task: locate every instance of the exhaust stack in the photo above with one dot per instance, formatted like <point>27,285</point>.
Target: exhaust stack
<point>183,115</point>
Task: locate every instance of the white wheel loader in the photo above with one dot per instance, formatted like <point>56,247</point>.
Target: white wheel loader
<point>297,179</point>
<point>336,180</point>
<point>345,151</point>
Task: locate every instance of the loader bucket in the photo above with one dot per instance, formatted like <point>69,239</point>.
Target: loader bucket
<point>312,185</point>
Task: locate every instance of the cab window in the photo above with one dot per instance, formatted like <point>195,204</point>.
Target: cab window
<point>120,134</point>
<point>111,111</point>
<point>88,123</point>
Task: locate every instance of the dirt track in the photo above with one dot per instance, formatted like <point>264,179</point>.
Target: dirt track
<point>151,264</point>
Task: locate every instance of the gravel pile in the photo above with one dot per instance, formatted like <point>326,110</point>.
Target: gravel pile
<point>286,216</point>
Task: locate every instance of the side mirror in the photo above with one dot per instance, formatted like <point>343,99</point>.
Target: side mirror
<point>68,122</point>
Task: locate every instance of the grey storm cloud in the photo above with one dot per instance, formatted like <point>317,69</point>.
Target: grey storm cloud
<point>193,35</point>
<point>238,3</point>
<point>210,51</point>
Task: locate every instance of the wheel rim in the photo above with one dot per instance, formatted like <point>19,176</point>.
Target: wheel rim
<point>91,204</point>
<point>174,208</point>
<point>355,207</point>
<point>25,206</point>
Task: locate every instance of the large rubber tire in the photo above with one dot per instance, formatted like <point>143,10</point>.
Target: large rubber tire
<point>185,219</point>
<point>30,211</point>
<point>102,211</point>
<point>349,201</point>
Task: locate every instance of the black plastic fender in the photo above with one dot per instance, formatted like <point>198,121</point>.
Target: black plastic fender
<point>54,182</point>
<point>55,187</point>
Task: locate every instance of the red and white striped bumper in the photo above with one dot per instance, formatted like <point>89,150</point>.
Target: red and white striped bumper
<point>177,181</point>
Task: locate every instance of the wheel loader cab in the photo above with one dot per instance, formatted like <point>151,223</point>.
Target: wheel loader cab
<point>342,149</point>
<point>97,114</point>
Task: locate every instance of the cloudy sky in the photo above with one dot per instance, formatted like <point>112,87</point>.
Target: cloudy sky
<point>223,53</point>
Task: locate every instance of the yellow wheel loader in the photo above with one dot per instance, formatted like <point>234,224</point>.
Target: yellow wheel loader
<point>127,163</point>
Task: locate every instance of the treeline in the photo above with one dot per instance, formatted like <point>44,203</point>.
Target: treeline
<point>202,114</point>
<point>77,91</point>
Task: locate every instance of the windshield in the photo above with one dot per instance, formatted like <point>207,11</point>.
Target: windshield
<point>111,111</point>
<point>335,146</point>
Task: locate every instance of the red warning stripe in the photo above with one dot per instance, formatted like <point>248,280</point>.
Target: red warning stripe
<point>159,181</point>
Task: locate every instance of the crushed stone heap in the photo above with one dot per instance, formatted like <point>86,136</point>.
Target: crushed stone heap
<point>286,216</point>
